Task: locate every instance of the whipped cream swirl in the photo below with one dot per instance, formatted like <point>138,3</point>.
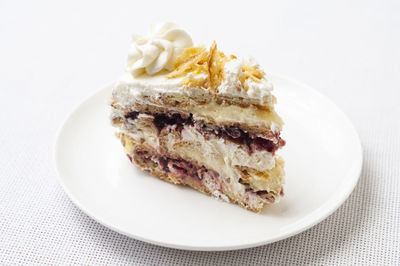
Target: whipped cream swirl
<point>157,50</point>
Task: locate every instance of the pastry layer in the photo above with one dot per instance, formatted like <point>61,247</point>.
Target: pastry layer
<point>145,86</point>
<point>259,169</point>
<point>230,142</point>
<point>174,169</point>
<point>216,108</point>
<point>254,137</point>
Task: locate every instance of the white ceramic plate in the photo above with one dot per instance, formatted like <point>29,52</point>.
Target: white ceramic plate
<point>323,162</point>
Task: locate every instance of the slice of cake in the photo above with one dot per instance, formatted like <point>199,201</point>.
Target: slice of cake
<point>191,115</point>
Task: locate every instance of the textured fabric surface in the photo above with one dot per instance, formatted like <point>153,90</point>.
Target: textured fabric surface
<point>52,55</point>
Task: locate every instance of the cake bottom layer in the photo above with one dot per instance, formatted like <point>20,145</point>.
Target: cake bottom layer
<point>172,168</point>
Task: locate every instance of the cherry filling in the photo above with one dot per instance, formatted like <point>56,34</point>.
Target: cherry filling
<point>178,167</point>
<point>163,120</point>
<point>231,133</point>
<point>132,115</point>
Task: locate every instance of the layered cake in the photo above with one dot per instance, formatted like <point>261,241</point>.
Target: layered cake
<point>193,116</point>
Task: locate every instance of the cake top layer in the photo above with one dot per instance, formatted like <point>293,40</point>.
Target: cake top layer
<point>167,59</point>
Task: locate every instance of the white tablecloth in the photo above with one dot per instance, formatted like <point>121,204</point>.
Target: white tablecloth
<point>53,54</point>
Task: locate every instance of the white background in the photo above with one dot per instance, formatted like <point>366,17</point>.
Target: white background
<point>53,54</point>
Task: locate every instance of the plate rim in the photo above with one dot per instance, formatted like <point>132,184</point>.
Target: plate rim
<point>328,208</point>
